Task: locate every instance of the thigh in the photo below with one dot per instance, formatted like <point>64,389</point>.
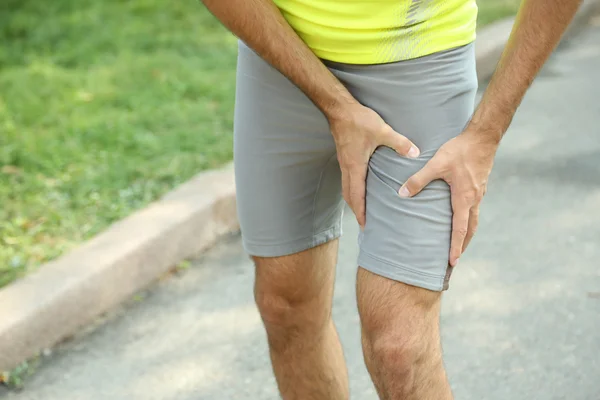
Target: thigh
<point>287,176</point>
<point>395,314</point>
<point>430,100</point>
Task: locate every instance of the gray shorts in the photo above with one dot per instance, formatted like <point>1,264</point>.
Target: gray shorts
<point>289,181</point>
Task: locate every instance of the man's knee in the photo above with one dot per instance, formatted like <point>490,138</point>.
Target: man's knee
<point>278,310</point>
<point>400,331</point>
<point>288,316</point>
<point>398,357</point>
<point>289,301</point>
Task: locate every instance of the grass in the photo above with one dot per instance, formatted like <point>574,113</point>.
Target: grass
<point>104,106</point>
<point>493,10</point>
<point>16,378</point>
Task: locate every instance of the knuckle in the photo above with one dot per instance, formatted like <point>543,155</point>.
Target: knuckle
<point>352,167</point>
<point>478,191</point>
<point>470,196</point>
<point>413,185</point>
<point>412,182</point>
<point>462,232</point>
<point>349,162</point>
<point>403,142</point>
<point>399,143</point>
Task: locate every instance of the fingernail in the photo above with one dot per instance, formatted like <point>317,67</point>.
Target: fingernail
<point>456,262</point>
<point>413,152</point>
<point>403,192</point>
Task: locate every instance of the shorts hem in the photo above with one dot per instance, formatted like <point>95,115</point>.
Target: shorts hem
<point>400,273</point>
<point>294,246</point>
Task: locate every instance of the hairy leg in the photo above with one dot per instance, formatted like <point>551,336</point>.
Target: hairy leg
<point>401,339</point>
<point>294,296</point>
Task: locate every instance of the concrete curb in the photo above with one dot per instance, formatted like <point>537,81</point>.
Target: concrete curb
<point>70,292</point>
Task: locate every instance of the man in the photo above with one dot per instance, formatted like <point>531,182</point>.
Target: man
<point>372,99</point>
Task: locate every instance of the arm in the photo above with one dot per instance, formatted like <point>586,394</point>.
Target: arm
<point>538,29</point>
<point>357,130</point>
<point>465,162</point>
<point>260,24</point>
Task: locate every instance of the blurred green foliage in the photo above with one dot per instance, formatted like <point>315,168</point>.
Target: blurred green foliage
<point>104,106</point>
<point>492,10</point>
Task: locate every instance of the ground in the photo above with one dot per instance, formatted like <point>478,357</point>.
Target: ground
<point>520,320</point>
<point>104,106</point>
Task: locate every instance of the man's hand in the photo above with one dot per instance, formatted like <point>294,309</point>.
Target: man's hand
<point>465,163</point>
<point>357,132</point>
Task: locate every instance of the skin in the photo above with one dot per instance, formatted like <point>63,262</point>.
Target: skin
<point>294,295</point>
<point>464,162</point>
<point>357,130</point>
<point>403,353</point>
<point>400,323</point>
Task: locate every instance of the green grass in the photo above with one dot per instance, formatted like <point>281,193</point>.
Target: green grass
<point>16,378</point>
<point>492,10</point>
<point>104,106</point>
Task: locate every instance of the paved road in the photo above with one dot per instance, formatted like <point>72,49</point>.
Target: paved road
<point>521,321</point>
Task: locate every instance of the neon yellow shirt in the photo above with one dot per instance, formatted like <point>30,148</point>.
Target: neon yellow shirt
<point>380,31</point>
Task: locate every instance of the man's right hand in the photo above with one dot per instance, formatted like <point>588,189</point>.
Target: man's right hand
<point>358,131</point>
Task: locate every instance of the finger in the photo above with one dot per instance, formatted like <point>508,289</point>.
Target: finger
<point>473,223</point>
<point>357,179</point>
<point>400,143</point>
<point>345,186</point>
<point>419,180</point>
<point>460,227</point>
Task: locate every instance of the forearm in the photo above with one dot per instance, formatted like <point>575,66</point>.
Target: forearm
<point>260,24</point>
<point>538,29</point>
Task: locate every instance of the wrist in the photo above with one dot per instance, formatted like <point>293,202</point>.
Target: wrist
<point>490,123</point>
<point>485,133</point>
<point>339,107</point>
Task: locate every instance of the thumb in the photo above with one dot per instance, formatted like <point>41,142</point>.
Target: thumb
<point>400,143</point>
<point>418,181</point>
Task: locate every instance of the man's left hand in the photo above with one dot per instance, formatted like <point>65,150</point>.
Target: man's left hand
<point>465,163</point>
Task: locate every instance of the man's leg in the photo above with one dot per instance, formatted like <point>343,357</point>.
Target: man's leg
<point>405,242</point>
<point>294,296</point>
<point>401,339</point>
<point>289,201</point>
